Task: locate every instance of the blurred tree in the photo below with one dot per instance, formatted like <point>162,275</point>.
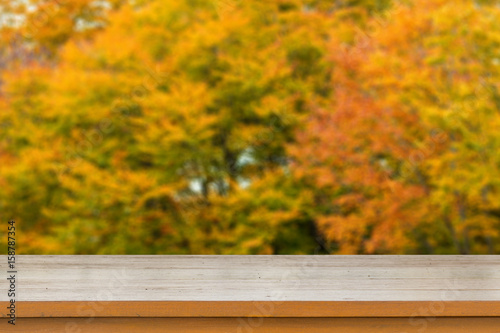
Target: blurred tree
<point>151,132</point>
<point>48,24</point>
<point>283,126</point>
<point>405,158</point>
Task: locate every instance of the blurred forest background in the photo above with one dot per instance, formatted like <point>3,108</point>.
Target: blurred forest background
<point>250,127</point>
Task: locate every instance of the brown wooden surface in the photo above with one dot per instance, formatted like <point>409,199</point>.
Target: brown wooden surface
<point>256,309</point>
<point>255,325</point>
<point>255,294</point>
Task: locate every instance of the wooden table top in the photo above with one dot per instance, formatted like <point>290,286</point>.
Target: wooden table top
<point>256,278</point>
<point>332,279</point>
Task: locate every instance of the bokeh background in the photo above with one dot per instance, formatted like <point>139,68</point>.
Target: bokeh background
<point>250,127</point>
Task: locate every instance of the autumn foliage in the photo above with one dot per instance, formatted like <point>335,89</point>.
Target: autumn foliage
<point>251,127</point>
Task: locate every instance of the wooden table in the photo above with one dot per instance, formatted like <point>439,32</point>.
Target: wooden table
<point>254,294</point>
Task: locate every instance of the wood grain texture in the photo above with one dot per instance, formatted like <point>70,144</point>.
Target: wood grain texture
<point>245,286</point>
<point>256,325</point>
<point>256,278</point>
<point>297,309</point>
